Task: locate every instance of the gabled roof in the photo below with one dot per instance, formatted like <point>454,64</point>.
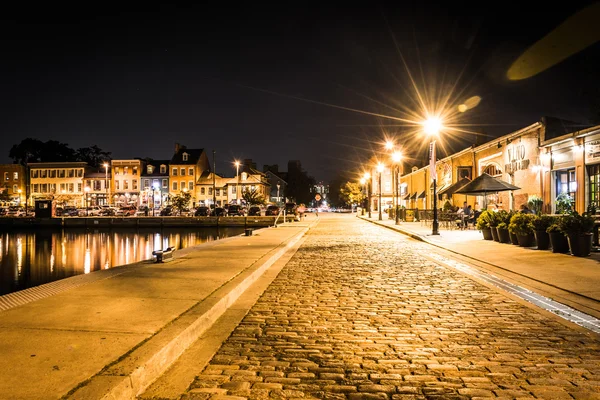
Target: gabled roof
<point>281,175</point>
<point>156,164</point>
<point>192,159</point>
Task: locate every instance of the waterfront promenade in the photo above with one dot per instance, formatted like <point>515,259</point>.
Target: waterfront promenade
<point>337,307</point>
<point>114,331</point>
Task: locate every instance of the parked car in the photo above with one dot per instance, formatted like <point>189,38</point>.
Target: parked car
<point>254,211</point>
<point>126,211</point>
<point>15,212</point>
<point>202,211</point>
<point>272,210</point>
<point>219,212</point>
<point>166,212</point>
<point>69,212</point>
<point>235,210</point>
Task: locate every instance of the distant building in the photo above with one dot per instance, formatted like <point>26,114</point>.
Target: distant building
<point>155,183</point>
<point>13,184</point>
<point>126,176</point>
<point>186,167</point>
<point>97,186</point>
<point>278,186</point>
<point>58,181</point>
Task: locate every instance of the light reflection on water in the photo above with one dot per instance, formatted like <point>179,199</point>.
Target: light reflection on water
<point>31,258</point>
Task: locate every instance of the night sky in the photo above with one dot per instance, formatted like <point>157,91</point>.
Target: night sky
<point>261,82</point>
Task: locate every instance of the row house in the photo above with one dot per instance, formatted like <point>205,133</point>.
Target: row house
<point>155,183</point>
<point>186,167</point>
<point>13,187</point>
<point>126,182</point>
<point>545,159</point>
<point>62,181</point>
<point>97,186</point>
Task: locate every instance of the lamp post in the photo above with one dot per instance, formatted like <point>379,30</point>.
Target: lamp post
<point>396,158</point>
<point>278,186</point>
<point>380,171</point>
<point>214,182</point>
<point>432,127</point>
<point>154,189</point>
<point>87,201</point>
<point>237,183</point>
<point>105,165</point>
<point>367,178</point>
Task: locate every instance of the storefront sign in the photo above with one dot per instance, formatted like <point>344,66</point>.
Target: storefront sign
<point>516,159</point>
<point>592,151</point>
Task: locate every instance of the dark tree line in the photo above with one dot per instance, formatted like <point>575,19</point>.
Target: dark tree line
<point>34,150</point>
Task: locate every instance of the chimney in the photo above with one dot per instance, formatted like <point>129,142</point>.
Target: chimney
<point>177,146</point>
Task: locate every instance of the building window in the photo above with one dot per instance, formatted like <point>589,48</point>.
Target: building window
<point>135,186</point>
<point>117,170</point>
<point>15,189</point>
<point>80,173</point>
<point>150,169</point>
<point>163,169</point>
<point>15,176</point>
<point>125,185</point>
<point>493,170</point>
<point>191,172</point>
<point>182,171</point>
<point>125,170</point>
<point>165,183</point>
<point>210,191</point>
<point>135,170</point>
<point>52,173</point>
<point>244,176</point>
<point>97,186</point>
<point>71,188</point>
<point>117,185</point>
<point>202,191</point>
<point>594,185</point>
<point>71,173</point>
<point>146,183</point>
<point>233,189</point>
<point>6,178</point>
<point>217,192</point>
<point>566,183</point>
<point>62,188</point>
<point>174,171</point>
<point>190,186</point>
<point>174,185</point>
<point>43,173</point>
<point>61,173</point>
<point>35,188</point>
<point>185,156</point>
<point>79,188</point>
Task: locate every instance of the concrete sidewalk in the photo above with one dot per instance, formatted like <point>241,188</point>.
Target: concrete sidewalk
<point>115,333</point>
<point>574,281</point>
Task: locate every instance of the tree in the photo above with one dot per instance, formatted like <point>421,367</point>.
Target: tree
<point>299,186</point>
<point>4,197</point>
<point>93,155</point>
<point>351,193</point>
<point>252,197</point>
<point>34,150</point>
<point>181,201</point>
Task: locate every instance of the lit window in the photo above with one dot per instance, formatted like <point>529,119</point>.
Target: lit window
<point>190,185</point>
<point>191,172</point>
<point>174,185</point>
<point>493,170</point>
<point>182,171</point>
<point>165,183</point>
<point>150,169</point>
<point>174,172</point>
<point>185,156</point>
<point>163,169</point>
<point>15,176</point>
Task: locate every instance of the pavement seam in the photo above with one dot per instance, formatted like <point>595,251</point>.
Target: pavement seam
<point>134,384</point>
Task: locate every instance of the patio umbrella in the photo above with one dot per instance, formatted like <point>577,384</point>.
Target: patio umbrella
<point>450,190</point>
<point>484,184</point>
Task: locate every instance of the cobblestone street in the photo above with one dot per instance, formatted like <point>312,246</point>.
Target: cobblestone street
<point>359,313</point>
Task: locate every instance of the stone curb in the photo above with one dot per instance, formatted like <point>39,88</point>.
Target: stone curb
<point>138,369</point>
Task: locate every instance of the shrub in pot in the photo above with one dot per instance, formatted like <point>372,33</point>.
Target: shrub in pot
<point>503,234</point>
<point>558,240</point>
<point>494,220</point>
<point>522,226</point>
<point>483,224</point>
<point>578,229</point>
<point>540,225</point>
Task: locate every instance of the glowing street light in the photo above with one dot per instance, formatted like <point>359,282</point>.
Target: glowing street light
<point>237,181</point>
<point>432,127</point>
<point>380,171</point>
<point>396,158</point>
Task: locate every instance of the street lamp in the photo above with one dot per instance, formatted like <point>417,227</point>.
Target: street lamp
<point>396,158</point>
<point>237,183</point>
<point>154,189</point>
<point>367,178</point>
<point>105,165</point>
<point>380,170</point>
<point>432,127</point>
<point>87,201</point>
<point>278,186</point>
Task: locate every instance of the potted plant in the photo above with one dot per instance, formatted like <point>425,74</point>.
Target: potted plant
<point>558,240</point>
<point>502,227</point>
<point>564,204</point>
<point>410,215</point>
<point>535,204</point>
<point>522,226</point>
<point>513,236</point>
<point>578,229</point>
<point>494,220</point>
<point>540,227</point>
<point>483,224</point>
